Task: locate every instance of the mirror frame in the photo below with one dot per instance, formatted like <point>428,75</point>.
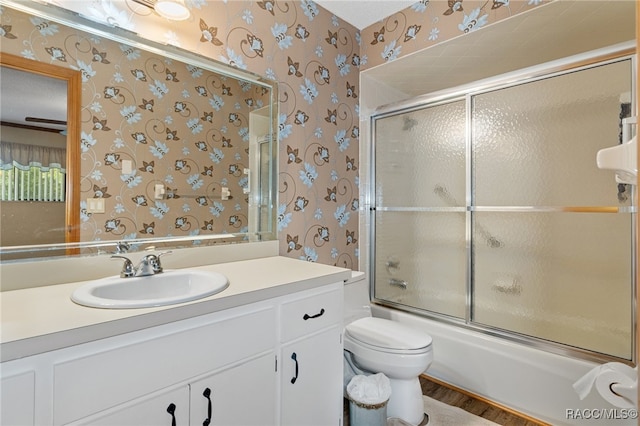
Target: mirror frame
<point>120,35</point>
<point>73,79</point>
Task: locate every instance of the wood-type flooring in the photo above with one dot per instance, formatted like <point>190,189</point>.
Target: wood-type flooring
<point>467,402</point>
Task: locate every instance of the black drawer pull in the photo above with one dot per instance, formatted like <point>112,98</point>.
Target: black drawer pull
<point>171,409</point>
<point>294,357</point>
<point>307,316</point>
<point>207,394</point>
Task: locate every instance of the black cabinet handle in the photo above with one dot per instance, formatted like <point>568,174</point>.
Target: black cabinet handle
<point>319,314</point>
<point>171,409</point>
<point>207,394</point>
<point>294,357</point>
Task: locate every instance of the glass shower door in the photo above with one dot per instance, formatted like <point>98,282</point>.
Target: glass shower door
<point>552,234</point>
<point>420,185</point>
<point>490,211</point>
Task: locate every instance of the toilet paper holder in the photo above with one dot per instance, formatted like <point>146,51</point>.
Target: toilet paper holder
<point>625,391</point>
<point>615,382</point>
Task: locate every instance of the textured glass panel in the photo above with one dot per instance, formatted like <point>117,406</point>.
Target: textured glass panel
<point>427,251</point>
<point>558,276</point>
<point>564,277</point>
<point>536,143</point>
<point>420,154</point>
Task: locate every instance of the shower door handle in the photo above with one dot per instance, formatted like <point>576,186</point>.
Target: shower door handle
<point>398,283</point>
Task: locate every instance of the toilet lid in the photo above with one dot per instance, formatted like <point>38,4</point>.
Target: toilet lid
<point>389,334</point>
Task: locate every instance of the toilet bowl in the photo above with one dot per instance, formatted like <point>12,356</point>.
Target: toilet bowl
<point>377,345</point>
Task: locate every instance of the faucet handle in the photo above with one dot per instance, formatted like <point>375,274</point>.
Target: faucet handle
<point>127,267</point>
<point>155,261</point>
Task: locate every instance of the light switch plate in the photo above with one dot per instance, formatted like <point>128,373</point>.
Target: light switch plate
<point>225,193</point>
<point>158,191</point>
<point>127,167</point>
<point>95,205</point>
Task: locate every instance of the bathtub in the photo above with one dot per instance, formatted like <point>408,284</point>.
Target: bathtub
<point>525,379</point>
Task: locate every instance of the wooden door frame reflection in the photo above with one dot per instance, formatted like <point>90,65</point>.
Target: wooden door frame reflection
<point>73,79</point>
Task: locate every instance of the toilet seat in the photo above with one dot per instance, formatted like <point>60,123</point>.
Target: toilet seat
<point>387,336</point>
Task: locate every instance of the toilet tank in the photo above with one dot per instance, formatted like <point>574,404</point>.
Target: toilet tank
<point>356,297</point>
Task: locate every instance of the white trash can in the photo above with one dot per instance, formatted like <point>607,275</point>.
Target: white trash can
<point>368,397</point>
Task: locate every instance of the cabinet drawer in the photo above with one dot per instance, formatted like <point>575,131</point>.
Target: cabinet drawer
<point>132,370</point>
<point>310,313</point>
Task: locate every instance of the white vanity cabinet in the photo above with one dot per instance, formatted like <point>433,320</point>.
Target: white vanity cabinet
<point>311,375</point>
<point>101,375</point>
<point>243,395</point>
<point>230,367</point>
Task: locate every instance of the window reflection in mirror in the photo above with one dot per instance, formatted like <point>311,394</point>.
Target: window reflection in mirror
<point>170,148</point>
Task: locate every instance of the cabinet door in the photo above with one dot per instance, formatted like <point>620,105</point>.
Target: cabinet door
<point>243,395</point>
<point>17,399</point>
<point>169,408</point>
<point>311,380</point>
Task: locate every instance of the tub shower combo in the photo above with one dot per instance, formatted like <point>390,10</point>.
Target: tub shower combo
<point>489,212</point>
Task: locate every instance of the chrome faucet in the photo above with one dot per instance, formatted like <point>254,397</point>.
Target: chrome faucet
<point>149,265</point>
<point>127,268</point>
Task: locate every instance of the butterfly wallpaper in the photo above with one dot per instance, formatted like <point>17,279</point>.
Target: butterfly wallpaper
<point>314,56</point>
<point>179,126</point>
<point>429,22</point>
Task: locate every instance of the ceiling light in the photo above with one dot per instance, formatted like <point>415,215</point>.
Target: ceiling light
<point>172,9</point>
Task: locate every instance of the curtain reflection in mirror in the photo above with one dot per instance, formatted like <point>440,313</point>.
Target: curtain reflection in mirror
<point>31,172</point>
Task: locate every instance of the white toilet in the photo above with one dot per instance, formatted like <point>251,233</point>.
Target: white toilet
<point>377,345</point>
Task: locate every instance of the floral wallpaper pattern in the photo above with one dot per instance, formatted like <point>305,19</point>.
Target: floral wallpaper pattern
<point>316,59</point>
<point>179,126</point>
<point>429,22</point>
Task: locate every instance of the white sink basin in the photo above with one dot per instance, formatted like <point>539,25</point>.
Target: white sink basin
<point>166,288</point>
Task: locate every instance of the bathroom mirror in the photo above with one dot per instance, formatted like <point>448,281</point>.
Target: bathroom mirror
<point>173,149</point>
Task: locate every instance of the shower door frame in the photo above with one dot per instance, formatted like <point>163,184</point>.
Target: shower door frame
<point>620,52</point>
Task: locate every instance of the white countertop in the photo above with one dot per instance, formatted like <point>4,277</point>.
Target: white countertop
<point>42,319</point>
